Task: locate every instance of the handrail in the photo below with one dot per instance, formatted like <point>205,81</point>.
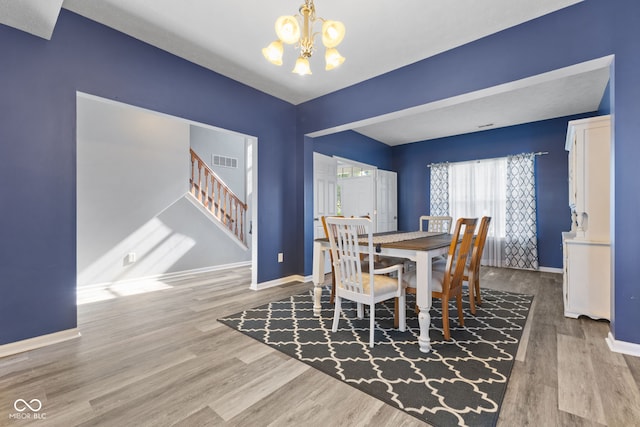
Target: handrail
<point>217,197</point>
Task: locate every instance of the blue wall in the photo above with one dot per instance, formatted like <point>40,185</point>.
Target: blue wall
<point>38,85</point>
<point>355,146</point>
<point>39,79</point>
<point>585,31</point>
<point>411,162</point>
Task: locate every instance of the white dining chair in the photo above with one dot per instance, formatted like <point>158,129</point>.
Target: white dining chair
<point>352,282</point>
<point>439,224</point>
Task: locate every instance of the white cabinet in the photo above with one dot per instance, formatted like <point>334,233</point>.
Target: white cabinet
<point>586,278</point>
<point>587,251</point>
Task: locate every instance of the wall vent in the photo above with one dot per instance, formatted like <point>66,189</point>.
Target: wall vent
<point>225,162</point>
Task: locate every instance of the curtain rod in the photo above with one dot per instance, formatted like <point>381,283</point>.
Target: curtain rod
<point>539,153</point>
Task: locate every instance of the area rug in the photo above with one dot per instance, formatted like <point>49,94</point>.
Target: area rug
<point>460,382</point>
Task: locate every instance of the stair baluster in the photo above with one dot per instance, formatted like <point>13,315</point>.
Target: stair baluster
<point>216,197</point>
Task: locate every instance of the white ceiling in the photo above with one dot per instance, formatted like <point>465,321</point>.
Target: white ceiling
<point>227,37</point>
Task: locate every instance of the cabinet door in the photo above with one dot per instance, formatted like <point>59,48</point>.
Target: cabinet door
<point>588,289</point>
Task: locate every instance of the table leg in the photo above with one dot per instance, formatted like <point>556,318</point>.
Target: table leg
<point>318,276</point>
<point>423,299</point>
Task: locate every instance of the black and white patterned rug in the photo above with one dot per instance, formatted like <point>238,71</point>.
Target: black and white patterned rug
<point>460,382</point>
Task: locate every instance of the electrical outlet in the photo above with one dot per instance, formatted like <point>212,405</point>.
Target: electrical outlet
<point>130,258</point>
<point>280,257</point>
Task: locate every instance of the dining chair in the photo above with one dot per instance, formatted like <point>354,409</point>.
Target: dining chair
<point>441,224</point>
<point>447,283</point>
<point>352,282</point>
<point>379,261</point>
<point>437,224</point>
<point>472,269</point>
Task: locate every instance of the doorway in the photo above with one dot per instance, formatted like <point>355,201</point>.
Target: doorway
<point>349,188</point>
<point>134,219</point>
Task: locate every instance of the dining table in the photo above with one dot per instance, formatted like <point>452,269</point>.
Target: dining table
<point>418,246</point>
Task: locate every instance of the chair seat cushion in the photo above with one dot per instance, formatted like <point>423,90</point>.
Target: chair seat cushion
<point>437,277</point>
<point>382,262</point>
<point>442,265</point>
<point>382,284</point>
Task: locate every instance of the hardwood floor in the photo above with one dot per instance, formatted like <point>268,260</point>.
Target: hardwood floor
<point>161,358</point>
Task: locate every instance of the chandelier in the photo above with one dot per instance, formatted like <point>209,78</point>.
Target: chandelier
<point>289,32</point>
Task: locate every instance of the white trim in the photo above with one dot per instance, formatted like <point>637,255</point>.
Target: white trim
<point>169,276</point>
<point>350,162</point>
<point>281,281</point>
<point>37,342</point>
<point>306,279</point>
<point>252,227</point>
<point>622,346</point>
<point>550,270</point>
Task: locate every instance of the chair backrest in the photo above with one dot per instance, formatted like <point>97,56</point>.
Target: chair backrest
<point>478,245</point>
<point>459,250</point>
<point>362,229</point>
<point>346,252</point>
<point>440,224</point>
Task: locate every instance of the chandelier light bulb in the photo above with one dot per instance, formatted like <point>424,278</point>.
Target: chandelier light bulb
<point>302,67</point>
<point>274,52</point>
<point>332,58</point>
<point>332,33</point>
<point>288,29</point>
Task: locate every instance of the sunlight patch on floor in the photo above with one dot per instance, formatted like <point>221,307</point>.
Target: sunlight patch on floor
<point>119,289</point>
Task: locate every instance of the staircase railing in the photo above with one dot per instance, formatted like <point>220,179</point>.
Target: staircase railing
<point>216,197</point>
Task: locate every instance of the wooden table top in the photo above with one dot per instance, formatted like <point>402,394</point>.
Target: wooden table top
<point>419,244</point>
<point>422,243</point>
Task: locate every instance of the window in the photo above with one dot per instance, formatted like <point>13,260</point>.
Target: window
<point>478,189</point>
<point>503,189</point>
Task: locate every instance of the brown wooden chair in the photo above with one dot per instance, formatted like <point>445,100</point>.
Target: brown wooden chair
<point>447,283</point>
<point>472,271</point>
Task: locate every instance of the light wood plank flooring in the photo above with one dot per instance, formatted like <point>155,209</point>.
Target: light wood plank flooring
<point>161,358</point>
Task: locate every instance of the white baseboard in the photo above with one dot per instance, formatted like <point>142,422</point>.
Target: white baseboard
<point>169,276</point>
<point>550,270</point>
<point>281,281</point>
<point>37,342</point>
<point>622,346</point>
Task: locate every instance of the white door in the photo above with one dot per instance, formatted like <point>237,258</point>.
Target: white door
<point>325,182</point>
<point>357,197</point>
<point>386,200</point>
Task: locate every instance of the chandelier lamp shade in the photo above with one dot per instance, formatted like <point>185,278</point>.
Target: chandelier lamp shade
<point>298,30</point>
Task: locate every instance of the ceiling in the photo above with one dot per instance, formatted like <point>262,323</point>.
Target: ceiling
<point>227,37</point>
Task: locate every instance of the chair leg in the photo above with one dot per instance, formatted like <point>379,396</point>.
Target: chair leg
<point>445,319</point>
<point>459,304</point>
<point>401,303</point>
<point>333,288</point>
<point>396,311</point>
<point>336,314</point>
<point>477,286</point>
<point>372,322</point>
<point>472,298</point>
<point>360,310</point>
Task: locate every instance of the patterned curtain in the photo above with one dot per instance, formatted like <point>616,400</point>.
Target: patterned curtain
<point>521,245</point>
<point>439,189</point>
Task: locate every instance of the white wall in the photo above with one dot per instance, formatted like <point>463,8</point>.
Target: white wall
<point>133,167</point>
